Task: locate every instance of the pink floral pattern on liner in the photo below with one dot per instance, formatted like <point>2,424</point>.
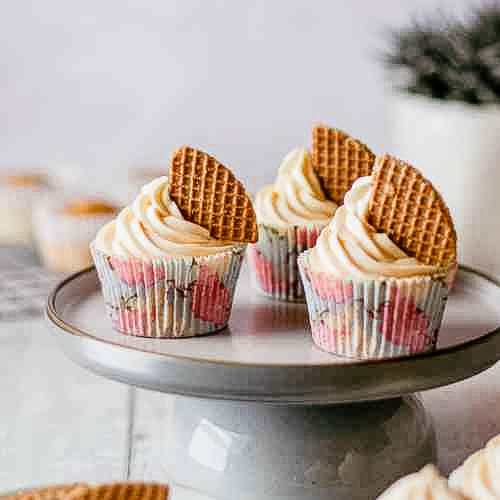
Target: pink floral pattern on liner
<point>264,272</point>
<point>306,238</point>
<point>328,287</point>
<point>327,337</point>
<point>211,300</point>
<point>402,323</point>
<point>134,321</point>
<point>372,319</point>
<point>173,283</point>
<point>135,272</point>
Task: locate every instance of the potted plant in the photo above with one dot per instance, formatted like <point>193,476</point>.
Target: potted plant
<point>445,119</point>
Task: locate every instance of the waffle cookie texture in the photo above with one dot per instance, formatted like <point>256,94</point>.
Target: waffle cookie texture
<point>407,207</point>
<point>112,491</point>
<point>63,492</point>
<point>339,160</point>
<point>208,194</point>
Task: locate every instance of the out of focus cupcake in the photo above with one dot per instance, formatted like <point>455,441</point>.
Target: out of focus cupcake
<point>169,263</point>
<point>19,190</point>
<point>64,228</point>
<point>292,212</point>
<point>427,484</point>
<point>479,476</point>
<point>378,278</point>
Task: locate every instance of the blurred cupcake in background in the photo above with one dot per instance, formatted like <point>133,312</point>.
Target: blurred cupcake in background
<point>73,179</point>
<point>290,215</point>
<point>479,476</point>
<point>19,190</point>
<point>67,176</point>
<point>427,483</point>
<point>64,227</point>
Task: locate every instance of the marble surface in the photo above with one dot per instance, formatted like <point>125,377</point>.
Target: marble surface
<point>59,423</point>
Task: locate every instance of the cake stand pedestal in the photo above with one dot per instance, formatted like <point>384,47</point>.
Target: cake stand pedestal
<point>261,413</point>
<point>254,451</point>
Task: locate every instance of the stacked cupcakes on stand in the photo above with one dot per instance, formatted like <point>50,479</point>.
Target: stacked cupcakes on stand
<point>377,277</point>
<point>367,241</point>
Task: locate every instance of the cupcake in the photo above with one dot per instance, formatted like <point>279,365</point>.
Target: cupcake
<point>18,192</point>
<point>428,483</point>
<point>64,228</point>
<point>169,262</point>
<point>378,278</point>
<point>479,476</point>
<point>292,212</point>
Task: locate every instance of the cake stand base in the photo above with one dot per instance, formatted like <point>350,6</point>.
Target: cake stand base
<point>231,450</point>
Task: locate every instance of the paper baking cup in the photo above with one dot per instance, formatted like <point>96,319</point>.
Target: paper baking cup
<point>374,318</point>
<point>274,260</point>
<point>16,207</point>
<point>169,297</point>
<point>63,240</point>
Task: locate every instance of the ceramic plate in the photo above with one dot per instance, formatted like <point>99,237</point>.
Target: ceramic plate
<point>267,353</point>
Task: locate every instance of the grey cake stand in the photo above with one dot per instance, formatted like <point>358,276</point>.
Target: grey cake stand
<point>269,415</point>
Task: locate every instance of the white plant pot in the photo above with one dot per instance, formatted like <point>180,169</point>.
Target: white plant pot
<point>457,147</point>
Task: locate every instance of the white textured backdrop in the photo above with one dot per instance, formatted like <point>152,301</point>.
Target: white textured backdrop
<point>111,83</point>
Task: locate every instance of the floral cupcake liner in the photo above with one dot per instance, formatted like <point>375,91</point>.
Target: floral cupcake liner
<point>274,260</point>
<point>169,297</point>
<point>374,318</point>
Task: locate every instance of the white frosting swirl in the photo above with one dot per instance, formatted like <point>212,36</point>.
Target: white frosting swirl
<point>350,247</point>
<point>296,198</point>
<point>479,476</point>
<point>427,484</point>
<point>152,226</point>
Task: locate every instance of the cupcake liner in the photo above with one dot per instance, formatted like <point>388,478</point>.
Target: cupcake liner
<point>63,240</point>
<point>373,318</point>
<point>169,297</point>
<point>274,260</point>
<point>16,206</point>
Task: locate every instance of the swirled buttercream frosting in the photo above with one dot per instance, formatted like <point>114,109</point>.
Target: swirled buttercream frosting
<point>153,227</point>
<point>427,484</point>
<point>479,476</point>
<point>349,247</point>
<point>296,198</point>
